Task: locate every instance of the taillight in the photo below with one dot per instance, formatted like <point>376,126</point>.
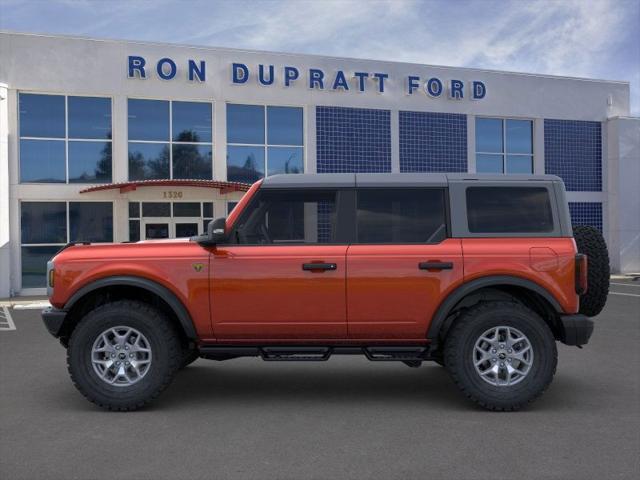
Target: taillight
<point>581,273</point>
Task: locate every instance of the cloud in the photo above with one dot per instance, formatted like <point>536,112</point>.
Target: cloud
<point>588,38</point>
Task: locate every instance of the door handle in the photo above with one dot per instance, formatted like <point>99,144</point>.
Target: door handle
<point>435,265</point>
<point>319,266</point>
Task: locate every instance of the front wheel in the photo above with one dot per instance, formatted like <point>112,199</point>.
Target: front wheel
<point>189,355</point>
<point>123,354</point>
<point>501,355</point>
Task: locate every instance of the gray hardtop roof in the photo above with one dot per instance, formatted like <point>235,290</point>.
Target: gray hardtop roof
<point>326,180</point>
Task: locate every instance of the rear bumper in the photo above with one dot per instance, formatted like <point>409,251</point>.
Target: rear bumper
<point>54,320</point>
<point>576,329</point>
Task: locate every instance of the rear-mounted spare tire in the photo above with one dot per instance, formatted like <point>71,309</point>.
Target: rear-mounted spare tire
<point>590,242</point>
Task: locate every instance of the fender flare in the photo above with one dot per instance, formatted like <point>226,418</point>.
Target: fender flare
<point>467,288</point>
<point>163,292</point>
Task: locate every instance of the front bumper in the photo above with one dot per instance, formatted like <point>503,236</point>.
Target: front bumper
<point>576,329</point>
<point>54,320</point>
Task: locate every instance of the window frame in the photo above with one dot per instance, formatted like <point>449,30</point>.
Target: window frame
<point>170,142</point>
<point>345,214</point>
<point>447,215</point>
<point>66,139</point>
<point>459,215</point>
<point>504,154</point>
<point>67,227</point>
<point>265,146</point>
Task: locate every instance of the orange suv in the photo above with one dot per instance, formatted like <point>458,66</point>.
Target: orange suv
<point>480,274</point>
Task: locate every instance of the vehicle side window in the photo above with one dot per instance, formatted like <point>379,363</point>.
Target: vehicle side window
<point>289,217</point>
<point>401,215</point>
<point>509,210</point>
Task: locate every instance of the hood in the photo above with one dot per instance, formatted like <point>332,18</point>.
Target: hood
<point>122,251</point>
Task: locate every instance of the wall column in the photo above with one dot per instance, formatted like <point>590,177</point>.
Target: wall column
<point>5,244</point>
<point>623,163</point>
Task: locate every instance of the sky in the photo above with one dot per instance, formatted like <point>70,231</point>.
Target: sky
<point>579,38</point>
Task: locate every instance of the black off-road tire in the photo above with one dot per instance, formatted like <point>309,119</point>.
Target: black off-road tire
<point>590,241</point>
<point>150,322</point>
<point>460,344</point>
<point>189,355</point>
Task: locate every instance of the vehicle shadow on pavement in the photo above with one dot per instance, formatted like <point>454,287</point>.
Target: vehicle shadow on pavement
<point>251,383</point>
<point>295,384</point>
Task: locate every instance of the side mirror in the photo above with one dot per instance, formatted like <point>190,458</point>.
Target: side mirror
<point>216,233</point>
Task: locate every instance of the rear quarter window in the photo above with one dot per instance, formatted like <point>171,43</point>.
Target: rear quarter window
<point>509,210</point>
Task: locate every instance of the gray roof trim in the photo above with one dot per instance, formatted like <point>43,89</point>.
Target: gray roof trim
<point>401,180</point>
<point>464,177</point>
<point>346,180</point>
<point>310,180</point>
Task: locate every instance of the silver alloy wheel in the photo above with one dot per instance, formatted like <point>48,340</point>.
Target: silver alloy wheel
<point>121,356</point>
<point>503,356</point>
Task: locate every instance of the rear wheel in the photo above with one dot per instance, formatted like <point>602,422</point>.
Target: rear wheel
<point>123,354</point>
<point>590,241</point>
<point>501,355</point>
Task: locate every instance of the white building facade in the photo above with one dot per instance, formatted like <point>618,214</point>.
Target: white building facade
<point>104,140</point>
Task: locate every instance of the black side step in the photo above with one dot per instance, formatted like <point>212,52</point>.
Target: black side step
<point>394,354</point>
<point>316,353</point>
<point>291,354</point>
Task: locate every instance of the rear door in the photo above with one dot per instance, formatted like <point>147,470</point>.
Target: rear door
<point>284,275</point>
<point>402,263</point>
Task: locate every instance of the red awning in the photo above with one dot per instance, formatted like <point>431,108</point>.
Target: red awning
<point>224,187</point>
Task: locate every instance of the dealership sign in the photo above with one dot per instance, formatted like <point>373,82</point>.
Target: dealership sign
<point>313,78</point>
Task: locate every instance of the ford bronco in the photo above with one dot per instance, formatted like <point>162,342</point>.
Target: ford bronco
<point>481,274</point>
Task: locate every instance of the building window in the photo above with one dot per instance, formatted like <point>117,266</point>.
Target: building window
<point>170,139</point>
<point>230,207</point>
<point>152,220</point>
<point>504,145</point>
<point>263,141</point>
<point>65,139</point>
<point>48,226</point>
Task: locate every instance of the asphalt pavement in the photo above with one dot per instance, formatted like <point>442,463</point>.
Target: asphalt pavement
<point>341,419</point>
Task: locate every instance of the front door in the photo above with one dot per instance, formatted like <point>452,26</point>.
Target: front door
<point>402,263</point>
<point>154,228</point>
<point>166,227</point>
<point>187,227</point>
<point>283,275</point>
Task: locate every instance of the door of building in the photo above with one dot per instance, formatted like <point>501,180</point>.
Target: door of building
<point>154,228</point>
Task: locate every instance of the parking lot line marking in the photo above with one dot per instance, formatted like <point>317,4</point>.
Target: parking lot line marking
<point>6,322</point>
<point>626,284</point>
<point>625,294</point>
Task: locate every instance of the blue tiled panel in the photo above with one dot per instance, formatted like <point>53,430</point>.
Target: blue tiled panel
<point>573,151</point>
<point>433,142</point>
<point>586,213</point>
<point>325,210</point>
<point>353,140</point>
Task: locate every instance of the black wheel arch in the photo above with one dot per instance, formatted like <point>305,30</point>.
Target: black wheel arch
<point>496,285</point>
<point>127,286</point>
